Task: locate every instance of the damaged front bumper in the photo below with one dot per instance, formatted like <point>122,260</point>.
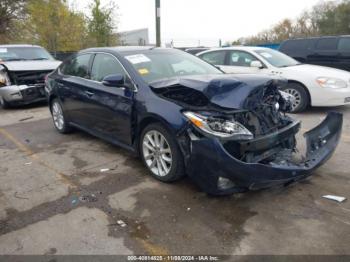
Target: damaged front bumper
<point>23,94</point>
<point>210,164</point>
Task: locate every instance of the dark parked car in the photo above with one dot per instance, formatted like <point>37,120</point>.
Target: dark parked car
<point>184,116</point>
<point>332,51</point>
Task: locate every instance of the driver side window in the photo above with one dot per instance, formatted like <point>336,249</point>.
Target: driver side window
<point>105,65</point>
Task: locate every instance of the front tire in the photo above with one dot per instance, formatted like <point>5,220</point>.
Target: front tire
<point>59,118</point>
<point>301,97</point>
<point>161,153</point>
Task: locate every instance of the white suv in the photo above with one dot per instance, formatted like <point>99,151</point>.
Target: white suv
<point>22,73</point>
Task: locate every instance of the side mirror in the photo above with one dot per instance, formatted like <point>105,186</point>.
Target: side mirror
<point>256,64</point>
<point>116,80</point>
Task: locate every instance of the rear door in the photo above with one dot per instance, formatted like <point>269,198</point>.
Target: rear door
<point>344,53</point>
<point>239,62</point>
<point>109,108</point>
<point>298,49</point>
<point>325,52</point>
<point>74,77</point>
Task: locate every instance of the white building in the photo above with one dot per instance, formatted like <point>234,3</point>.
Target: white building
<point>134,37</point>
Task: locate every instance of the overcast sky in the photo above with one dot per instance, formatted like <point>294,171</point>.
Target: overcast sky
<point>189,21</point>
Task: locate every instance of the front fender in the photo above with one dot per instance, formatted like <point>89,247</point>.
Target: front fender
<point>209,161</point>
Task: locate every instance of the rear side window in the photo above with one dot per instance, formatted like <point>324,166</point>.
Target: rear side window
<point>344,44</point>
<point>291,45</point>
<point>327,43</point>
<point>105,65</point>
<point>215,58</point>
<point>78,66</point>
<point>240,58</point>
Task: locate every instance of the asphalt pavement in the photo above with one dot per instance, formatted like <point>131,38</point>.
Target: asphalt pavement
<point>76,194</point>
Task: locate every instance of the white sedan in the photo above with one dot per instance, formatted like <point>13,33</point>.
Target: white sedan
<point>310,85</point>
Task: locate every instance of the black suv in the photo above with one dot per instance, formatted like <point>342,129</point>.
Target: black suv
<point>332,51</point>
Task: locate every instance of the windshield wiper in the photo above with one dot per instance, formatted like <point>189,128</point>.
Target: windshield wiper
<point>14,59</point>
<point>40,58</point>
<point>290,65</point>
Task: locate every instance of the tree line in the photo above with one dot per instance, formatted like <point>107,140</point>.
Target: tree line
<point>325,18</point>
<point>56,25</point>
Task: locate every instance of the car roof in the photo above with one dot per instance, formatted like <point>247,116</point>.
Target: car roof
<point>128,50</point>
<point>20,45</point>
<point>119,49</point>
<point>247,48</point>
<point>316,37</point>
<point>197,48</point>
<point>241,48</point>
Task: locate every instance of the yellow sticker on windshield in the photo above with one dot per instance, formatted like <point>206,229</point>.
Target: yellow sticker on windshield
<point>143,71</point>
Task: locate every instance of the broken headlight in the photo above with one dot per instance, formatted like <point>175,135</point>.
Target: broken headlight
<point>219,127</point>
<point>4,79</point>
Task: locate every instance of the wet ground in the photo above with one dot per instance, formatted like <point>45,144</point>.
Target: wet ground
<point>54,199</point>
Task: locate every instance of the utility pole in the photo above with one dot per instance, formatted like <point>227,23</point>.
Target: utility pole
<point>158,42</point>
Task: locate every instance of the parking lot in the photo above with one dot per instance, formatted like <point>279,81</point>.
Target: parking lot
<point>54,199</point>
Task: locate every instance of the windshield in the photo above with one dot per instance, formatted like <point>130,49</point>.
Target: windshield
<point>155,65</point>
<point>24,53</point>
<point>276,58</point>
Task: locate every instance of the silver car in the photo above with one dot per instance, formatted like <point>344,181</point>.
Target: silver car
<point>22,74</point>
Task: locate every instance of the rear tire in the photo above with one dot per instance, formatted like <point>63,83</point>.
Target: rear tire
<point>300,95</point>
<point>161,154</point>
<point>58,117</point>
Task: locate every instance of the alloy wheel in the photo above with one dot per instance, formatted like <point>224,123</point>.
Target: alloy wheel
<point>57,115</point>
<point>157,153</point>
<point>297,97</point>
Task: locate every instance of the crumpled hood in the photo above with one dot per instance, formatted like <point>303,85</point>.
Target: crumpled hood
<point>32,65</point>
<point>229,91</point>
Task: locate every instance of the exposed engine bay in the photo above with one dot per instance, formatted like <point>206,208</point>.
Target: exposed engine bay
<point>262,112</point>
<point>30,78</point>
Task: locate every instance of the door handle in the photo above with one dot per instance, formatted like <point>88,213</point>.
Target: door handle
<point>89,94</point>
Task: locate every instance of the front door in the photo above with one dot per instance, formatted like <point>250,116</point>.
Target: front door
<point>110,108</point>
<point>325,52</point>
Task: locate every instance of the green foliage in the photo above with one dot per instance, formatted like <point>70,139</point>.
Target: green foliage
<point>11,11</point>
<point>101,24</point>
<point>335,20</point>
<point>55,26</point>
<point>52,24</point>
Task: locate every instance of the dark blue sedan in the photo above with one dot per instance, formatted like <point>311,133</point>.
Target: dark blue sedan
<point>229,133</point>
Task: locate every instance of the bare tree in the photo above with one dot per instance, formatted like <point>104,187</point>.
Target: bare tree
<point>325,18</point>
